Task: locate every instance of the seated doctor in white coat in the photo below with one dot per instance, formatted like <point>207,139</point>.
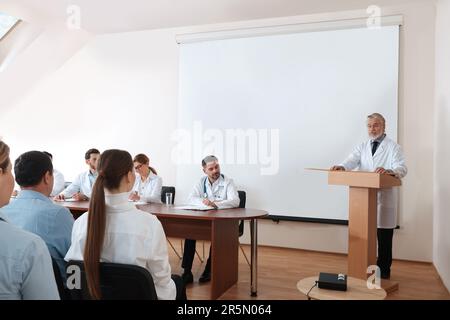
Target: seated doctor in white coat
<point>382,155</point>
<point>114,230</point>
<point>148,184</point>
<point>80,189</point>
<point>214,190</point>
<point>58,178</point>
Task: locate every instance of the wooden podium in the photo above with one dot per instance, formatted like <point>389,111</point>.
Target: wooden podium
<point>362,218</point>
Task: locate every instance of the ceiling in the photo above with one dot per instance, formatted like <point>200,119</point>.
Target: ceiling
<point>110,16</point>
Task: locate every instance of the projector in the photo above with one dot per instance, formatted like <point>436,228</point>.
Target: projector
<point>332,281</point>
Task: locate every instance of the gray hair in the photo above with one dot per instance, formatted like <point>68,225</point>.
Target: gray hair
<point>377,116</point>
<point>208,159</point>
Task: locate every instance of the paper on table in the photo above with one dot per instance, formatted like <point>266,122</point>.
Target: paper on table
<point>192,207</point>
<point>328,170</point>
<point>137,202</point>
<point>320,169</point>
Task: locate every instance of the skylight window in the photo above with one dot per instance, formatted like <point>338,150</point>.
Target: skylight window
<point>7,22</point>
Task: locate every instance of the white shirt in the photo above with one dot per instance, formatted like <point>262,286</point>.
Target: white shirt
<point>82,183</point>
<point>132,237</point>
<point>389,156</point>
<point>58,183</point>
<point>150,189</point>
<point>223,192</point>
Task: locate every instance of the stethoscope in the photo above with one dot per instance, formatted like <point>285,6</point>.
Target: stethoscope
<point>205,194</point>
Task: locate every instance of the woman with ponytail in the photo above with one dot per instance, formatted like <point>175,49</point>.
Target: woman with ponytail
<point>114,230</point>
<point>148,184</point>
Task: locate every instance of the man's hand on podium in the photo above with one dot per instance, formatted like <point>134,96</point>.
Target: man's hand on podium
<point>337,168</point>
<point>383,171</point>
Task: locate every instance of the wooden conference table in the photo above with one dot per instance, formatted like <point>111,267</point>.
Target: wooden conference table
<point>218,226</point>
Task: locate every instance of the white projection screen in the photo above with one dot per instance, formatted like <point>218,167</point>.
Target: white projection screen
<point>271,106</point>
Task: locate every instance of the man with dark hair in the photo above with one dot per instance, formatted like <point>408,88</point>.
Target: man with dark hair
<point>58,178</point>
<point>80,189</point>
<point>33,211</point>
<point>26,271</point>
<point>213,190</point>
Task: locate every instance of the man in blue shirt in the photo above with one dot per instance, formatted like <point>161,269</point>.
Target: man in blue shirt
<point>33,211</point>
<point>26,270</point>
<point>25,266</point>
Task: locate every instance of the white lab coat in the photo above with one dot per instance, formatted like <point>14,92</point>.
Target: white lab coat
<point>150,189</point>
<point>132,237</point>
<point>58,183</point>
<point>390,157</point>
<point>81,184</point>
<point>223,192</point>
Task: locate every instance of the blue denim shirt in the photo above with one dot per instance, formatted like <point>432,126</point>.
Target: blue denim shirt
<point>34,212</point>
<point>26,270</point>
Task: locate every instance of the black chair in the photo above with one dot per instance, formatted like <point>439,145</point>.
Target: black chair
<point>165,190</point>
<point>117,282</point>
<point>242,201</point>
<point>63,294</point>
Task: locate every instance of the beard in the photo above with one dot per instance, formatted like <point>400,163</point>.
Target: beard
<point>375,136</point>
<point>216,176</point>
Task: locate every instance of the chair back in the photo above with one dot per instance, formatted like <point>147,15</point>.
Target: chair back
<point>166,189</point>
<point>63,295</point>
<point>117,282</point>
<point>242,201</point>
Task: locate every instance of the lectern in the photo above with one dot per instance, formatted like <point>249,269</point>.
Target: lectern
<point>362,218</point>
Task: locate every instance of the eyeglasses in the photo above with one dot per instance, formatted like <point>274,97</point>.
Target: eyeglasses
<point>138,167</point>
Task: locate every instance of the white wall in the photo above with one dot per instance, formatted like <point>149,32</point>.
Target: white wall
<point>121,91</point>
<point>441,253</point>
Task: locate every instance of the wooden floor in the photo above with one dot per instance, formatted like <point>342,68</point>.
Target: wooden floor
<point>279,270</point>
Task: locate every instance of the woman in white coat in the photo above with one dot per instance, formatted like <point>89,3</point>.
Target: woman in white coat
<point>148,184</point>
<point>114,230</point>
<point>382,155</point>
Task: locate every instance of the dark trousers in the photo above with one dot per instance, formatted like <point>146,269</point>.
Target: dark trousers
<point>188,256</point>
<point>181,289</point>
<point>384,260</point>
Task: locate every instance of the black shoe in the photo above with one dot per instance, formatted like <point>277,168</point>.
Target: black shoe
<point>385,275</point>
<point>187,277</point>
<point>206,276</point>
